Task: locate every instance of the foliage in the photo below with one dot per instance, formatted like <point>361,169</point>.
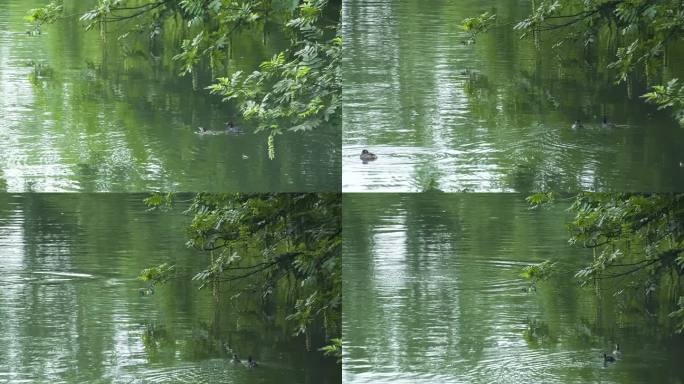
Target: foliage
<point>334,349</point>
<point>678,315</point>
<point>44,15</point>
<point>538,272</point>
<point>476,25</point>
<point>638,31</point>
<point>265,242</point>
<point>541,199</point>
<point>297,90</point>
<point>158,199</point>
<point>158,274</point>
<point>635,236</point>
<point>670,95</point>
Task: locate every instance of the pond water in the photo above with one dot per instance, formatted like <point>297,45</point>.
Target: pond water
<point>433,293</point>
<point>77,114</point>
<point>71,310</point>
<point>493,116</point>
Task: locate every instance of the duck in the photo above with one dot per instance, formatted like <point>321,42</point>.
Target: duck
<point>606,123</point>
<point>608,358</point>
<point>236,359</point>
<point>367,156</point>
<point>577,124</point>
<point>251,363</point>
<point>617,352</point>
<point>232,128</point>
<point>202,130</point>
<point>149,291</point>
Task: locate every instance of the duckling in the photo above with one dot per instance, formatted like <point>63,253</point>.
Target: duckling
<point>251,363</point>
<point>367,156</point>
<point>608,358</point>
<point>617,352</point>
<point>577,125</point>
<point>606,123</point>
<point>236,359</point>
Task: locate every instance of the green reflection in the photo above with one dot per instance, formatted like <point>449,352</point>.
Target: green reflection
<point>72,312</point>
<point>496,115</point>
<point>433,293</point>
<point>85,114</point>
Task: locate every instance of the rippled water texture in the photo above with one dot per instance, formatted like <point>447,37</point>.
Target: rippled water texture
<point>495,116</point>
<point>433,294</point>
<point>71,309</point>
<point>77,114</point>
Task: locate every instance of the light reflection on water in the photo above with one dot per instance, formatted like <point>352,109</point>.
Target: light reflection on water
<point>80,115</point>
<point>495,116</point>
<point>433,293</point>
<point>71,309</point>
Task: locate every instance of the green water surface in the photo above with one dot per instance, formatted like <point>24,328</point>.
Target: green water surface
<point>433,294</point>
<point>81,114</point>
<point>71,309</point>
<point>496,115</point>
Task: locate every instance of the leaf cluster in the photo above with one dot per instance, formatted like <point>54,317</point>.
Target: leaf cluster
<point>157,275</point>
<point>266,241</point>
<point>635,236</point>
<point>297,89</point>
<point>474,26</point>
<point>638,31</point>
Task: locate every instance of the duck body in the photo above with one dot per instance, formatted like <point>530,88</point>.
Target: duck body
<point>577,125</point>
<point>607,124</point>
<point>608,359</point>
<point>233,129</point>
<point>236,359</point>
<point>617,353</point>
<point>229,129</point>
<point>367,156</point>
<point>251,363</point>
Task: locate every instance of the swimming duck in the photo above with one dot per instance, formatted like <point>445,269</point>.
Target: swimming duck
<point>606,123</point>
<point>236,359</point>
<point>201,130</point>
<point>608,358</point>
<point>617,352</point>
<point>149,291</point>
<point>251,363</point>
<point>367,156</point>
<point>577,125</point>
<point>231,128</point>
